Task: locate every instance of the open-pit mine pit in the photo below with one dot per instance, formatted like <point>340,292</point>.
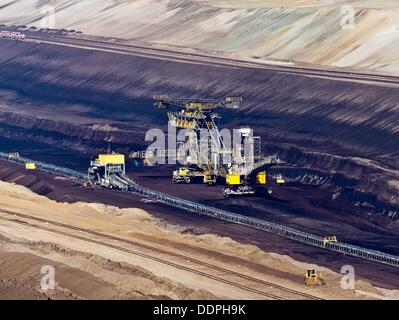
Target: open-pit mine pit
<point>320,98</point>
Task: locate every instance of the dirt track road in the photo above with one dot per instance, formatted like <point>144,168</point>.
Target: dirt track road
<point>239,282</point>
<point>212,60</point>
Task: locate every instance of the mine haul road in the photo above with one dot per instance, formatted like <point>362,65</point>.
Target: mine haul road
<point>253,287</point>
<point>142,50</point>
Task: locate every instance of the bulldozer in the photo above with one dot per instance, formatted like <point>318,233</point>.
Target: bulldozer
<point>313,278</point>
<point>280,180</point>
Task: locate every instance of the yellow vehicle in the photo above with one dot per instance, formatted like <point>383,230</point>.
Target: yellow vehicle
<point>113,158</point>
<point>233,179</point>
<point>104,168</point>
<point>30,166</point>
<point>313,278</point>
<point>188,175</point>
<point>329,239</point>
<point>261,178</point>
<point>280,180</point>
<point>209,179</point>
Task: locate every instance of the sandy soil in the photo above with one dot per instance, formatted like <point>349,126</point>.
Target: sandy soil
<point>306,31</point>
<point>84,270</point>
<point>64,190</point>
<point>299,3</point>
<point>316,125</point>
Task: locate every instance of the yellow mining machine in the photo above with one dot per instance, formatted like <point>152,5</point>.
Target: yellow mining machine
<point>30,166</point>
<point>313,278</point>
<point>208,155</point>
<point>104,167</point>
<point>329,239</point>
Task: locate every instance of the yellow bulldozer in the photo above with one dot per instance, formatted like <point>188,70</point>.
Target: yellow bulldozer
<point>313,278</point>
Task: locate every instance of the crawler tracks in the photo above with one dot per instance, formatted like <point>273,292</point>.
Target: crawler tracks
<point>237,280</point>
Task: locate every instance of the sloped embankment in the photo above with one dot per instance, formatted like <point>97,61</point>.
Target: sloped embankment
<point>299,31</point>
<point>77,98</point>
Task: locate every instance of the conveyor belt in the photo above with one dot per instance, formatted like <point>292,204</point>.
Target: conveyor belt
<point>45,166</point>
<point>287,232</point>
<point>126,184</point>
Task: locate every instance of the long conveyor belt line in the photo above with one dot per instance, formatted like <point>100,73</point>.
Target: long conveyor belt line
<point>45,166</point>
<point>287,232</point>
<point>126,184</point>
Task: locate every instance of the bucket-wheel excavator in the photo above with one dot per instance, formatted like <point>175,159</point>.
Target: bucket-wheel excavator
<point>207,155</point>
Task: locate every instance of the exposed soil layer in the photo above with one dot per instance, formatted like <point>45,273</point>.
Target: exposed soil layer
<point>318,32</point>
<point>339,141</point>
<point>89,277</point>
<point>341,137</point>
<point>99,251</point>
<point>67,191</point>
<point>21,278</point>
